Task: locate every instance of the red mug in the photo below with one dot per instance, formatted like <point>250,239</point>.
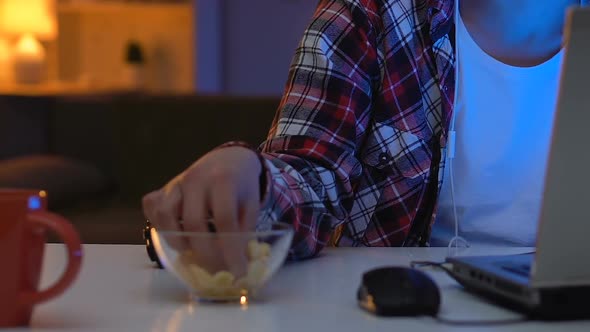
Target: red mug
<point>24,220</point>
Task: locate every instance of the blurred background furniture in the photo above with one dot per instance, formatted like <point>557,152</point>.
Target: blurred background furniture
<point>97,155</point>
<point>133,92</point>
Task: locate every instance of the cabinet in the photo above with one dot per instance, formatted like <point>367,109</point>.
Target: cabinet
<point>93,37</point>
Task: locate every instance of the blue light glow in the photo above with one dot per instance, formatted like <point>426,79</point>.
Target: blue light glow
<point>34,203</point>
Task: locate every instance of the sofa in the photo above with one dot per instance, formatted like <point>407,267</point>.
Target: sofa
<point>97,155</point>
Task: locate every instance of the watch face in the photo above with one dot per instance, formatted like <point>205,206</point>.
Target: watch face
<point>149,246</point>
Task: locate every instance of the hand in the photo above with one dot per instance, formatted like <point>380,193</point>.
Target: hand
<point>223,186</point>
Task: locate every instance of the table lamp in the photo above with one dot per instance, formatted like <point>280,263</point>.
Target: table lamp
<point>28,22</point>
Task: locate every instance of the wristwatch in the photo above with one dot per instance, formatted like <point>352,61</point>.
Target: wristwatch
<point>149,245</point>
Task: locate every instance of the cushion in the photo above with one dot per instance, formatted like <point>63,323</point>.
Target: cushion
<point>67,181</point>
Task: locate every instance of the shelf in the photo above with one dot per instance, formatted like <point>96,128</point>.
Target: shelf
<point>57,89</point>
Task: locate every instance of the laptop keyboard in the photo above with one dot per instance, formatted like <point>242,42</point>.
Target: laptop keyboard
<point>522,269</point>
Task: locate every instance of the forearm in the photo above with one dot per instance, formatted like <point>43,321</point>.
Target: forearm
<point>312,194</point>
<point>310,152</point>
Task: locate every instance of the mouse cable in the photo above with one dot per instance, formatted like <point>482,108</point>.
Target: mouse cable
<point>447,321</point>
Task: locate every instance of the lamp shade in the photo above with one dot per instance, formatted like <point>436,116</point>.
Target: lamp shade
<point>37,17</point>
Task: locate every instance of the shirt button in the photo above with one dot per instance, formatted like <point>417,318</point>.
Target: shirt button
<point>445,88</point>
<point>384,157</point>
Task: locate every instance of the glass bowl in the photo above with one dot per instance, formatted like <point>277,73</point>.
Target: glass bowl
<point>223,266</point>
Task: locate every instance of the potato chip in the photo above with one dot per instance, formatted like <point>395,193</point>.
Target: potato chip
<point>223,284</point>
<point>257,250</point>
<point>223,279</point>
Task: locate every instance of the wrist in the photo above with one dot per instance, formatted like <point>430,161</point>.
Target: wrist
<point>262,170</point>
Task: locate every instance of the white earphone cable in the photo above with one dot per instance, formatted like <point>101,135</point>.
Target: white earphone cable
<point>451,139</point>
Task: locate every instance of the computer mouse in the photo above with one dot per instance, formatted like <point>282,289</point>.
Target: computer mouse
<point>398,291</point>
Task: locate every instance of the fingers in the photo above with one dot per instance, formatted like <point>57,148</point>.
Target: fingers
<point>149,205</point>
<point>223,185</point>
<point>224,205</point>
<point>249,213</point>
<point>194,209</point>
<point>162,209</point>
<point>194,219</point>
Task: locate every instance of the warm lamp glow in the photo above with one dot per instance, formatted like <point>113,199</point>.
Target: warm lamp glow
<point>244,301</point>
<point>28,16</point>
<point>29,59</point>
<point>4,50</point>
<point>28,21</point>
<point>5,70</point>
<point>28,47</point>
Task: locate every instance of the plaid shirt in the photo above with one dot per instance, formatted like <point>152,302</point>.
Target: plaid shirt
<point>357,142</point>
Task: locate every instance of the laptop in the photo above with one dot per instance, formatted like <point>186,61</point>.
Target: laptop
<point>554,281</point>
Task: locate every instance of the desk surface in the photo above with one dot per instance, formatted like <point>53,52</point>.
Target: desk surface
<point>118,290</point>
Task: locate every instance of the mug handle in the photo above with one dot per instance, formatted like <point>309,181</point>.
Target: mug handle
<point>70,237</point>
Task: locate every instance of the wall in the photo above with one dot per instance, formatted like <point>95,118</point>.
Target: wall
<point>259,38</point>
<point>209,41</point>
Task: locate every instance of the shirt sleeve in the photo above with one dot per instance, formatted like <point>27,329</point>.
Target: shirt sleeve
<point>310,154</point>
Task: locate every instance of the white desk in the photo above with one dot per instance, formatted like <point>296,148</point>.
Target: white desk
<point>118,290</point>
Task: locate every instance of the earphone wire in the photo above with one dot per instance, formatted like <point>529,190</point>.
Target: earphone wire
<point>456,239</point>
